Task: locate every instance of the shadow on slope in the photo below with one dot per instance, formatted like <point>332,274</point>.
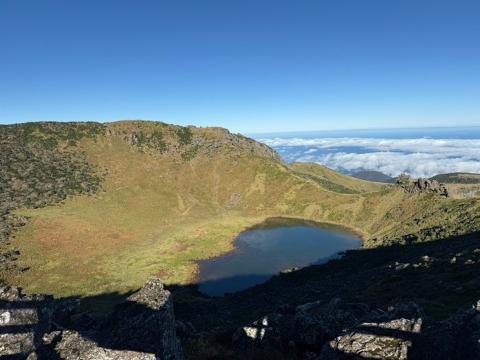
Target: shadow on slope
<point>441,277</point>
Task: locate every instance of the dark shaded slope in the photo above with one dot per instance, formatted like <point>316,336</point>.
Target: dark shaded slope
<point>441,277</point>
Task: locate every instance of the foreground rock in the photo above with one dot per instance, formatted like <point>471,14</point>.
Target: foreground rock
<point>340,330</point>
<point>73,346</point>
<point>141,328</point>
<point>390,339</point>
<point>304,329</point>
<point>23,321</point>
<point>145,322</point>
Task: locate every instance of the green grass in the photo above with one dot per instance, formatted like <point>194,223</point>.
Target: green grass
<point>158,212</point>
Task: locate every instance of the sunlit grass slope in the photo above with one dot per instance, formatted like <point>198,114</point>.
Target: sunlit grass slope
<point>173,195</point>
<point>334,181</point>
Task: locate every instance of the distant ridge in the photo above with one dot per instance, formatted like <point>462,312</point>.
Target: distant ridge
<point>458,178</point>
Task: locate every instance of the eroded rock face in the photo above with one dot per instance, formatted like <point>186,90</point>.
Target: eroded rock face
<point>23,321</point>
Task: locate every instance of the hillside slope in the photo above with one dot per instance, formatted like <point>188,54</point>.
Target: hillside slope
<point>150,198</point>
<point>334,181</point>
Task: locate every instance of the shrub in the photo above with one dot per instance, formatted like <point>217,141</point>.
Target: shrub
<point>184,135</point>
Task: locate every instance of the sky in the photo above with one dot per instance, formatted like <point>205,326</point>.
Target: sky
<point>250,65</point>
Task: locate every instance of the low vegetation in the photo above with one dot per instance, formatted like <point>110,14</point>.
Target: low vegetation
<point>144,198</point>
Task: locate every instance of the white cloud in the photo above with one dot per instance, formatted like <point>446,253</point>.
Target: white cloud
<point>418,157</point>
<point>395,163</point>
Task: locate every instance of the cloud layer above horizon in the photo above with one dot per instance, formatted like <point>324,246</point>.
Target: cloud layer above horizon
<point>421,157</point>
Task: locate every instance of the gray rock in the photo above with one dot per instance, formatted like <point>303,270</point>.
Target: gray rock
<point>400,266</point>
<point>145,323</point>
<point>73,346</point>
<point>315,323</point>
<point>307,326</point>
<point>421,185</point>
<point>390,339</point>
<point>23,321</point>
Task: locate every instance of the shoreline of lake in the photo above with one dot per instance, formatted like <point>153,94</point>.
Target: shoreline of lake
<point>325,240</point>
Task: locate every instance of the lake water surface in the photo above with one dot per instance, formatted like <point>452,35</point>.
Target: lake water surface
<point>269,248</point>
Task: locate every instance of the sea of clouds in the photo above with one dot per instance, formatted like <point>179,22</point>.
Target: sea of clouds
<point>419,157</point>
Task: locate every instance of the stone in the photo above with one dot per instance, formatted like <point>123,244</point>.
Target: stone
<point>23,321</point>
<point>73,346</point>
<point>144,323</point>
<point>389,339</point>
<point>315,323</point>
<point>421,185</point>
<point>400,266</point>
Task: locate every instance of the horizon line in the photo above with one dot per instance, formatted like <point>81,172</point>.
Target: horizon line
<point>365,129</point>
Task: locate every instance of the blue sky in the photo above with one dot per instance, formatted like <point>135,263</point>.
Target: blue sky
<point>251,66</point>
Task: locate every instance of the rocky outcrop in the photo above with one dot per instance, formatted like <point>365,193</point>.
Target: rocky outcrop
<point>145,322</point>
<point>315,323</point>
<point>304,329</point>
<point>23,321</point>
<point>340,330</point>
<point>384,339</point>
<point>141,328</point>
<point>180,141</point>
<point>421,185</point>
<point>70,345</point>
